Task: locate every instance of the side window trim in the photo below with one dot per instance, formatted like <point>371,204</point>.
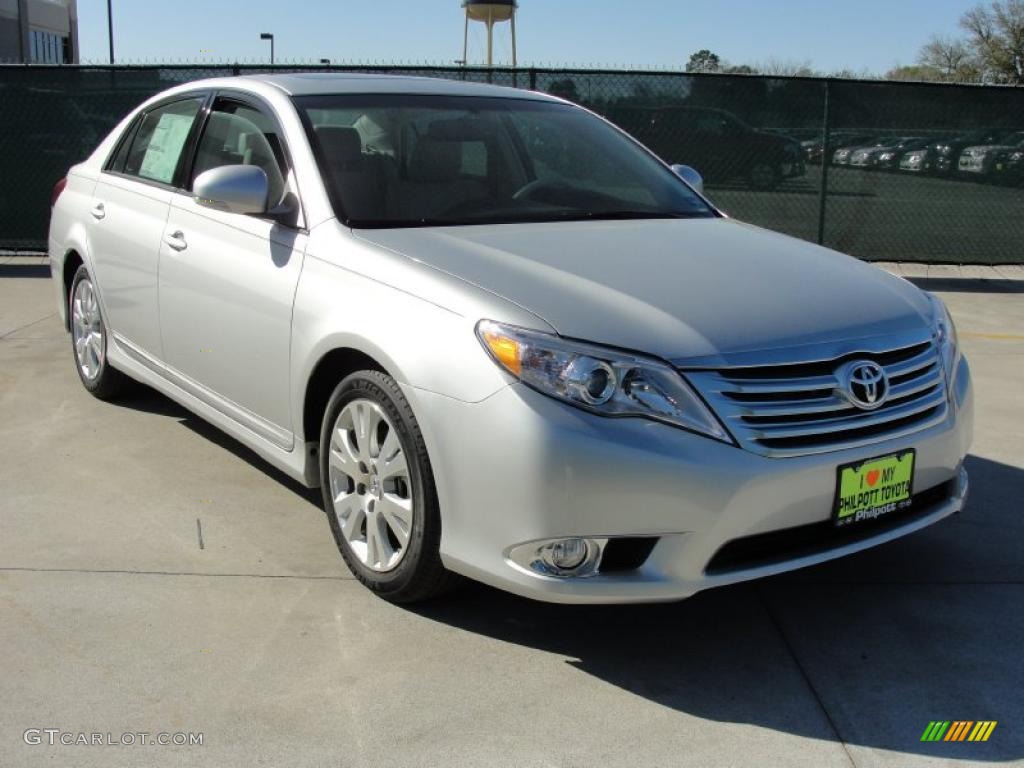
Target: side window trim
<point>252,101</point>
<point>115,160</point>
<point>130,134</point>
<point>245,100</point>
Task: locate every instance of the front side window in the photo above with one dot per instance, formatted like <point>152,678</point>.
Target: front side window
<point>237,134</point>
<point>411,160</point>
<point>157,147</point>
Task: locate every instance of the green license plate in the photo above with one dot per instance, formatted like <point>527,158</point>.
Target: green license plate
<point>869,489</point>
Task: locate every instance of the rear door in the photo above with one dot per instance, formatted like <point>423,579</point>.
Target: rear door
<point>227,280</point>
<point>127,216</point>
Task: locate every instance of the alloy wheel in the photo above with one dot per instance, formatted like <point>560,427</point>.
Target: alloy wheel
<point>370,485</point>
<point>87,330</point>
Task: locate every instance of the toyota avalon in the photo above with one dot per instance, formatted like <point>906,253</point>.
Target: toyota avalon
<point>504,339</point>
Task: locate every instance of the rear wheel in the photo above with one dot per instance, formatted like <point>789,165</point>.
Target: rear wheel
<point>379,492</point>
<point>89,340</point>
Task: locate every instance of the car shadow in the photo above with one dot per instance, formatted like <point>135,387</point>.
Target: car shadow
<point>25,270</point>
<point>752,653</point>
<point>865,650</point>
<point>968,284</point>
<point>148,400</point>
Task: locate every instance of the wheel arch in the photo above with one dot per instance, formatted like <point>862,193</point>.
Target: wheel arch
<point>72,261</point>
<point>331,367</point>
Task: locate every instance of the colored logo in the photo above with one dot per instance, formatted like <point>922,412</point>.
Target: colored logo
<point>959,730</point>
<point>865,384</point>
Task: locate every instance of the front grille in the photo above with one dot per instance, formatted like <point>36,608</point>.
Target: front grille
<point>816,538</point>
<point>797,409</point>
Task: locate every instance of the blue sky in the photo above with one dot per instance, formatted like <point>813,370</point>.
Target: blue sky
<point>862,35</point>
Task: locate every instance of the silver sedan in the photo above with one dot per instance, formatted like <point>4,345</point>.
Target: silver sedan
<point>504,339</point>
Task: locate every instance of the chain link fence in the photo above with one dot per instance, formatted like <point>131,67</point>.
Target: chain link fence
<point>882,170</point>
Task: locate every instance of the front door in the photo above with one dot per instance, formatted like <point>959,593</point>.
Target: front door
<point>227,281</point>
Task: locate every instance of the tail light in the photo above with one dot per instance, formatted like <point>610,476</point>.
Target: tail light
<point>57,189</point>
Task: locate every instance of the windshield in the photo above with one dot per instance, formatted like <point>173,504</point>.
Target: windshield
<point>401,160</point>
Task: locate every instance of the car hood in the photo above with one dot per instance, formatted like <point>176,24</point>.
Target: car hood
<point>682,289</point>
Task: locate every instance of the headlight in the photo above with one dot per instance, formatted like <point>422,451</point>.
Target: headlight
<point>886,156</point>
<point>945,337</point>
<point>599,380</point>
<point>943,149</point>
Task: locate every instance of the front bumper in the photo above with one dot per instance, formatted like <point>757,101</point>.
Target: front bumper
<point>521,467</point>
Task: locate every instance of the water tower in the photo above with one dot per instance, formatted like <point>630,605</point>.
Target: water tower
<point>490,12</point>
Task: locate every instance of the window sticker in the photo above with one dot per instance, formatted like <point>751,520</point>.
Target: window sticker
<point>165,147</point>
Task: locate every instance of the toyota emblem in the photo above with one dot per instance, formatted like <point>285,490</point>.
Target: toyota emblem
<point>865,384</point>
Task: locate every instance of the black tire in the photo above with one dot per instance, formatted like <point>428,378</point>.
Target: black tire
<point>109,382</point>
<point>420,574</point>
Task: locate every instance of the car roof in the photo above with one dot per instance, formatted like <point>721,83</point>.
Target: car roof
<point>330,83</point>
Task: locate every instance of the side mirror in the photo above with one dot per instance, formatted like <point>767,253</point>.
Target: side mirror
<point>232,188</point>
<point>690,176</point>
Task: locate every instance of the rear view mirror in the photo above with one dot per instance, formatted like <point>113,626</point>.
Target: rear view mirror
<point>232,188</point>
<point>690,176</point>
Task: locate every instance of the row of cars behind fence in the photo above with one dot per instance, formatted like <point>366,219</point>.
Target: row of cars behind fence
<point>990,156</point>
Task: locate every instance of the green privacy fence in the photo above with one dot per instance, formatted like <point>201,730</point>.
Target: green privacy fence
<point>881,170</point>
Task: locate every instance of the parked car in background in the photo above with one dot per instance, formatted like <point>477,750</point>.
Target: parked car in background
<point>842,155</point>
<point>813,147</point>
<point>1009,167</point>
<point>885,154</point>
<point>724,147</point>
<point>503,339</point>
<point>947,152</point>
<point>980,161</point>
<point>888,158</point>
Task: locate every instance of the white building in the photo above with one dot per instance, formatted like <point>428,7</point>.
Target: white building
<point>39,31</point>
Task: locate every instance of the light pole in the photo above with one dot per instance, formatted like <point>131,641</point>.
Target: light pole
<point>110,29</point>
<point>270,37</point>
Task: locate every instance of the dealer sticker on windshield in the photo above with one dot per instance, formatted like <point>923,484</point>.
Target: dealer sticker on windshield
<point>872,488</point>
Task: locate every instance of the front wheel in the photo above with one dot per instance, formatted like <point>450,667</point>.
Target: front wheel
<point>89,340</point>
<point>379,492</point>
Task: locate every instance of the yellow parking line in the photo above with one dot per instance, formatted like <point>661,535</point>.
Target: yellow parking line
<point>995,336</point>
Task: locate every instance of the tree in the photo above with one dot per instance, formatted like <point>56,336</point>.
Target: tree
<point>916,73</point>
<point>948,60</point>
<point>781,68</point>
<point>704,61</point>
<point>996,35</point>
<point>565,89</point>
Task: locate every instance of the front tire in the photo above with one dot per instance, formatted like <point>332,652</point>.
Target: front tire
<point>379,492</point>
<point>89,340</point>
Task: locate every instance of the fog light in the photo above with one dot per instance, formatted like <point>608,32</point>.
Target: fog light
<point>574,557</point>
<point>565,554</point>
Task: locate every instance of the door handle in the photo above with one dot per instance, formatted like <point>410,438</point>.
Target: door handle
<point>176,240</point>
<point>98,211</point>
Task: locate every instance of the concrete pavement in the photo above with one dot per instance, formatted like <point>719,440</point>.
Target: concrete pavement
<point>155,576</point>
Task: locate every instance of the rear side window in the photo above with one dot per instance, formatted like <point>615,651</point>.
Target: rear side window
<point>157,147</point>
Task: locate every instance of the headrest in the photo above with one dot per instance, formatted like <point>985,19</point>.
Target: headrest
<point>435,161</point>
<point>341,146</point>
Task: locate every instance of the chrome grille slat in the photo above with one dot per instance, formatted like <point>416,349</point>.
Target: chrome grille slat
<point>923,360</point>
<point>777,385</point>
<point>833,402</point>
<point>774,411</point>
<point>858,420</point>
